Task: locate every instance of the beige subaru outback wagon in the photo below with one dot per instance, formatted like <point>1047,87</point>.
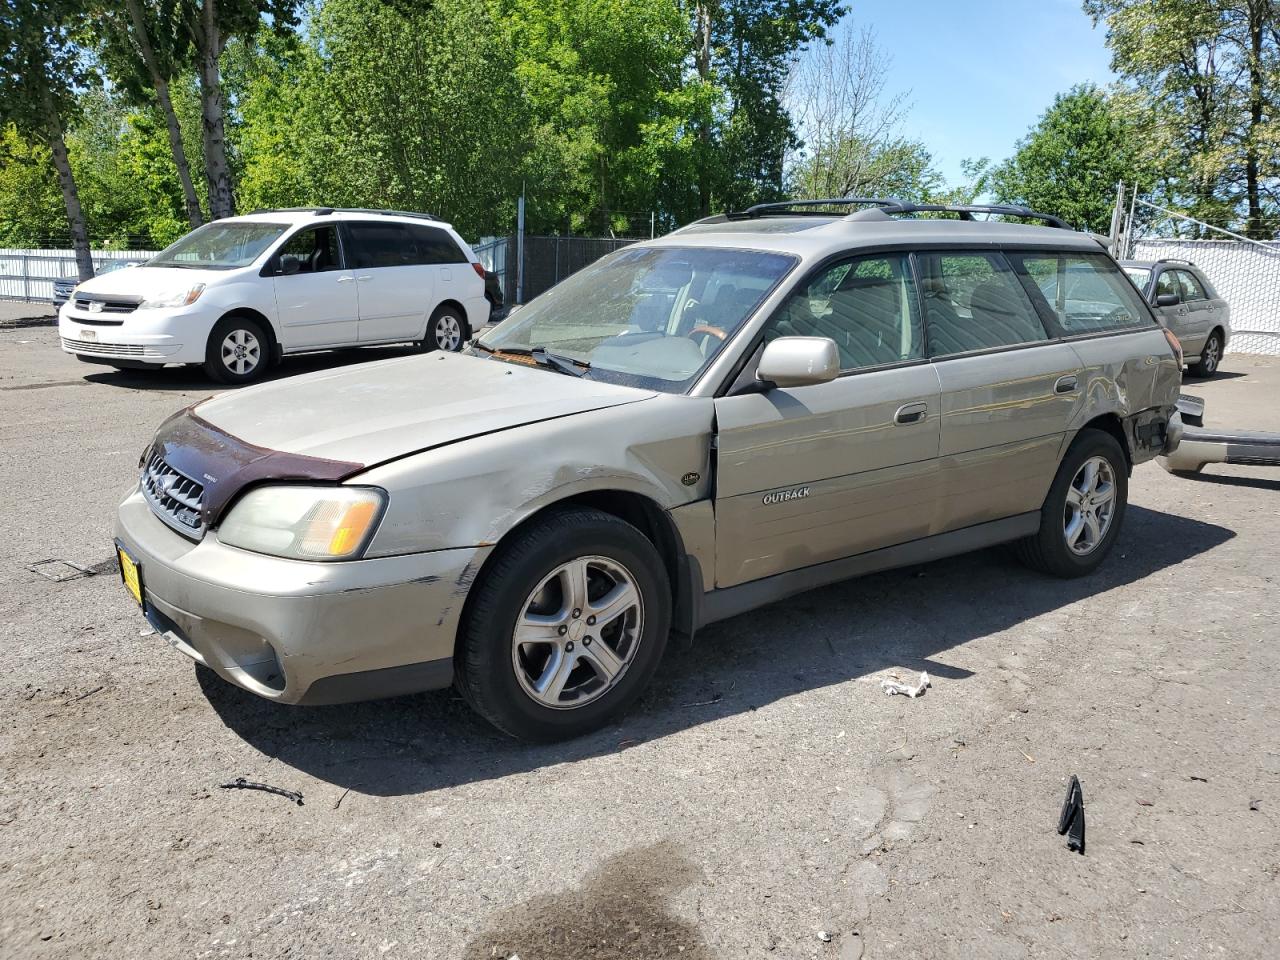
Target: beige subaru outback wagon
<point>755,405</point>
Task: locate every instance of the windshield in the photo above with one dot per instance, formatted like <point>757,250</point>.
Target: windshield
<point>650,317</point>
<point>1139,276</point>
<point>219,246</point>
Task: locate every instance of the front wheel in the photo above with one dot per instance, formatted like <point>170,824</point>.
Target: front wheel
<point>1210,357</point>
<point>566,627</point>
<point>238,351</point>
<point>1082,514</point>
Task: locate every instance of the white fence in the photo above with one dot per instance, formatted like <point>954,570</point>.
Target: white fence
<point>1246,275</point>
<point>29,274</point>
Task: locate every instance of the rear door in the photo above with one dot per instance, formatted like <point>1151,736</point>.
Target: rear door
<point>452,274</point>
<point>1199,315</point>
<point>1008,393</point>
<point>817,473</point>
<point>396,289</point>
<point>315,294</point>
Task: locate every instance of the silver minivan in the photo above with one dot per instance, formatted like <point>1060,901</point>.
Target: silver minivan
<point>1187,304</point>
<point>750,407</point>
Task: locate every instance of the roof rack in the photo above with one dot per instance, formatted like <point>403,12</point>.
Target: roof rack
<point>882,207</point>
<point>325,211</point>
<point>1175,260</point>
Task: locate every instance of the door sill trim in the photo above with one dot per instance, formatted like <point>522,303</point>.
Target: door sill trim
<point>728,602</point>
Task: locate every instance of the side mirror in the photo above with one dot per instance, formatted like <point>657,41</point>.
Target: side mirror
<point>1167,300</point>
<point>799,361</point>
<point>289,265</point>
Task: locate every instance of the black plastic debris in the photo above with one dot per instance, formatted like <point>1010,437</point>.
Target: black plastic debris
<point>240,783</point>
<point>1071,820</point>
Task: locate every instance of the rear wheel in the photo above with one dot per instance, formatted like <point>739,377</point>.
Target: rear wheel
<point>446,330</point>
<point>1082,514</point>
<point>238,351</point>
<point>567,626</point>
<point>1210,357</point>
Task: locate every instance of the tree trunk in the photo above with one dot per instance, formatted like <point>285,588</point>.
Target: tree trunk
<point>217,171</point>
<point>194,216</point>
<point>702,62</point>
<point>1256,227</point>
<point>70,195</point>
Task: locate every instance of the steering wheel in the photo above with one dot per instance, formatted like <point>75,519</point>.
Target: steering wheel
<point>707,331</point>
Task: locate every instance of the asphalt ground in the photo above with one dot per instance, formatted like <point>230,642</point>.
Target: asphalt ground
<point>764,792</point>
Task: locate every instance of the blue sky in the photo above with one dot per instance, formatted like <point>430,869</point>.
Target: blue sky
<point>978,73</point>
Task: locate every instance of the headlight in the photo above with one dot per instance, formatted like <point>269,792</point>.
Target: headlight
<point>305,523</point>
<point>182,298</point>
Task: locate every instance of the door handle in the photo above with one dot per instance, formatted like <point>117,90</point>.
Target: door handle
<point>345,279</point>
<point>910,413</point>
<point>367,276</point>
<point>1066,384</point>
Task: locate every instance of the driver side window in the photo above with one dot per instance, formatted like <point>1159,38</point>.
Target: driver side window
<point>867,306</point>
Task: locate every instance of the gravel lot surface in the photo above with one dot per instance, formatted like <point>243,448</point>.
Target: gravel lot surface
<point>765,799</point>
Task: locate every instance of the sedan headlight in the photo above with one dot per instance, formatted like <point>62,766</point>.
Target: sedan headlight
<point>305,523</point>
<point>180,298</point>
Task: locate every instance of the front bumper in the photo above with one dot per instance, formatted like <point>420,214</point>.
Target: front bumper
<point>146,336</point>
<point>301,632</point>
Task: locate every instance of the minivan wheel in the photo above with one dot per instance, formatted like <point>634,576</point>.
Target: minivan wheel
<point>238,351</point>
<point>1082,514</point>
<point>1210,357</point>
<point>566,627</point>
<point>446,330</point>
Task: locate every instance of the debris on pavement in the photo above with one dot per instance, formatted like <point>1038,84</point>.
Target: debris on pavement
<point>1253,805</point>
<point>895,686</point>
<point>824,936</point>
<point>1071,819</point>
<point>240,783</point>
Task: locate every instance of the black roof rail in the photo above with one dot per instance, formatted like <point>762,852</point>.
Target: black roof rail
<point>783,207</point>
<point>964,210</point>
<point>325,211</point>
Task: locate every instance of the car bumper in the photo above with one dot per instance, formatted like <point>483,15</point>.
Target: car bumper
<point>300,632</point>
<point>154,336</point>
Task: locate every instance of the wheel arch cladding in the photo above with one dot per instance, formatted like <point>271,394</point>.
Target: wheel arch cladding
<point>1110,423</point>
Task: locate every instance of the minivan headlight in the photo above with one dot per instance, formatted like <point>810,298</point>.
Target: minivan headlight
<point>305,523</point>
<point>180,298</point>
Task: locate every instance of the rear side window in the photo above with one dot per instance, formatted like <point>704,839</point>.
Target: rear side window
<point>379,245</point>
<point>433,245</point>
<point>1191,289</point>
<point>1085,292</point>
<point>867,306</point>
<point>974,301</point>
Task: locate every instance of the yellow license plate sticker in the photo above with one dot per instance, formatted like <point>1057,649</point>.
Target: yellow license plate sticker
<point>130,575</point>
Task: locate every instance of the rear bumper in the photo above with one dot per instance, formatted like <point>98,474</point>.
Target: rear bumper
<point>1202,447</point>
<point>299,632</point>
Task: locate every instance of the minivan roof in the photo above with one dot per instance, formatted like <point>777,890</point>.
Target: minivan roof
<point>300,214</point>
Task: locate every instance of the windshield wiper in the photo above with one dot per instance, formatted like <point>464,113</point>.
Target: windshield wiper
<point>575,368</point>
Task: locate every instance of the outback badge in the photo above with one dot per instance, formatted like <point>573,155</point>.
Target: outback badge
<point>782,496</point>
<point>689,479</point>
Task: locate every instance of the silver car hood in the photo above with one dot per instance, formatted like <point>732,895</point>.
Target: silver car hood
<point>374,412</point>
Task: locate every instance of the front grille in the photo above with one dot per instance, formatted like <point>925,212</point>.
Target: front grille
<point>108,306</point>
<point>174,497</point>
<point>97,349</point>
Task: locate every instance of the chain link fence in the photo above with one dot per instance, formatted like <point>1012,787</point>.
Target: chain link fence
<point>1246,275</point>
<point>547,261</point>
<point>29,274</point>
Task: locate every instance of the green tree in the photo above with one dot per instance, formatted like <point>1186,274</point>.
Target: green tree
<point>1072,159</point>
<point>1202,79</point>
<point>41,69</point>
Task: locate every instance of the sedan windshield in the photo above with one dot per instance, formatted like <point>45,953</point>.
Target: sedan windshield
<point>650,317</point>
<point>219,246</point>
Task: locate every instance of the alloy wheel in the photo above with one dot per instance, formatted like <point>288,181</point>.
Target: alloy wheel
<point>241,352</point>
<point>577,632</point>
<point>448,332</point>
<point>1090,507</point>
<point>1211,355</point>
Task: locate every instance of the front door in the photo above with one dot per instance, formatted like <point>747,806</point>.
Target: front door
<point>315,296</point>
<point>397,290</point>
<point>811,474</point>
<point>1176,316</point>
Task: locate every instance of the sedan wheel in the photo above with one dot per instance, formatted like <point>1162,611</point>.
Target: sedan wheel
<point>578,633</point>
<point>1210,357</point>
<point>1091,501</point>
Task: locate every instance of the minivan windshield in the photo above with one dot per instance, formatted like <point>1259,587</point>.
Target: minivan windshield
<point>651,317</point>
<point>219,246</point>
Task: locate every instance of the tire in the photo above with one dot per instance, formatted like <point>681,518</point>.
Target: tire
<point>1050,550</point>
<point>1210,357</point>
<point>534,575</point>
<point>238,351</point>
<point>446,330</point>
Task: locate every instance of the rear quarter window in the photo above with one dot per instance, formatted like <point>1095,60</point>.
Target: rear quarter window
<point>1083,292</point>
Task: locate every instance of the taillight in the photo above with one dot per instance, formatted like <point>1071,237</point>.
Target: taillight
<point>479,269</point>
<point>1174,344</point>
